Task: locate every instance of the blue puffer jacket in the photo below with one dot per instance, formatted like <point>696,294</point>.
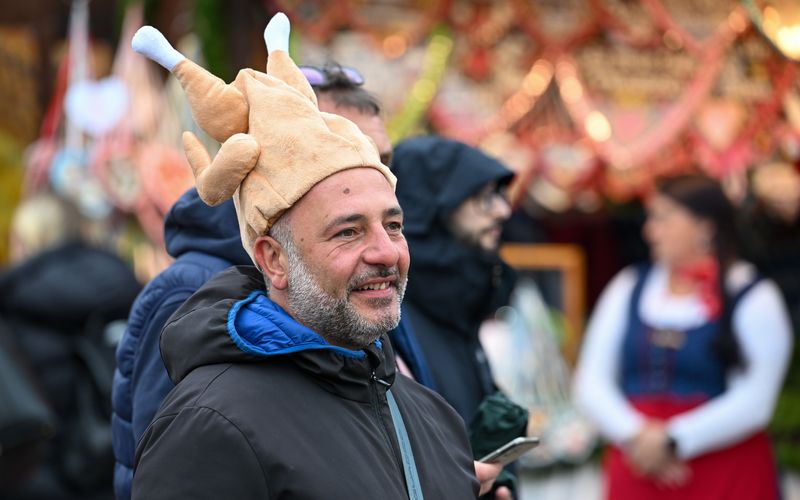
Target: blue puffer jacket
<point>203,240</point>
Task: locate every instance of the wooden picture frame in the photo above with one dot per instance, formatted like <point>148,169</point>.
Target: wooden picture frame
<point>570,262</point>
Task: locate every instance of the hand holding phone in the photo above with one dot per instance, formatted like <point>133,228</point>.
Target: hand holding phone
<point>511,451</point>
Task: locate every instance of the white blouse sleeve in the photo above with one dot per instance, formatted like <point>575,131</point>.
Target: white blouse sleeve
<point>596,389</point>
<point>762,328</point>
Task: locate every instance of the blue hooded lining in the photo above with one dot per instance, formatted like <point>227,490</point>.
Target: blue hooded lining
<point>261,327</point>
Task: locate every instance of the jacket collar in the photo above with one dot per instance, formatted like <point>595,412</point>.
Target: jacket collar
<point>260,327</point>
<point>231,320</point>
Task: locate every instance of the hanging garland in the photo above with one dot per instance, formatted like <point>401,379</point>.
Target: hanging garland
<point>734,23</point>
<point>640,150</point>
<point>437,53</point>
<point>527,17</point>
<point>611,18</point>
<point>482,27</point>
<point>741,151</point>
<point>536,81</point>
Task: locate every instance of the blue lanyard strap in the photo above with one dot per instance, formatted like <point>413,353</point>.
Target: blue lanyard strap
<point>409,467</point>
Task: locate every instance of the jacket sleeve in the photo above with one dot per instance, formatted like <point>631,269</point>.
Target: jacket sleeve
<point>762,327</point>
<point>197,454</point>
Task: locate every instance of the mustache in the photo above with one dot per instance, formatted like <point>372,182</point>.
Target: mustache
<point>385,272</point>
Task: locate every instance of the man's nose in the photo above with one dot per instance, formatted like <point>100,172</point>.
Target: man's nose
<point>501,208</point>
<point>381,249</point>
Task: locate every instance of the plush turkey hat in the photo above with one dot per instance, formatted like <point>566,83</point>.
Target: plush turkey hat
<point>276,143</point>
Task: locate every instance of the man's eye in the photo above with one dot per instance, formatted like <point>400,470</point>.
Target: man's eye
<point>395,226</point>
<point>346,233</point>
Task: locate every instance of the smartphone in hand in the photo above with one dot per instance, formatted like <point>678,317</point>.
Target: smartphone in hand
<point>511,451</point>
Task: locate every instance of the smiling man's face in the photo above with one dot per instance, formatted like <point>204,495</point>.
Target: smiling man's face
<point>347,277</point>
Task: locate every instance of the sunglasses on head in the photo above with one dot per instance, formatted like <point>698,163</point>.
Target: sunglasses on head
<point>332,75</point>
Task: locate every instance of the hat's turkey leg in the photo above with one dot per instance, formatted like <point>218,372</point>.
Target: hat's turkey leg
<point>217,179</point>
<point>279,64</point>
<point>220,109</point>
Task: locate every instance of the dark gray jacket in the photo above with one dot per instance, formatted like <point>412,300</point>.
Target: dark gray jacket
<point>265,408</point>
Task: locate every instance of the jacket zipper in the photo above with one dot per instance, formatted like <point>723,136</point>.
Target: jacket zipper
<point>376,406</point>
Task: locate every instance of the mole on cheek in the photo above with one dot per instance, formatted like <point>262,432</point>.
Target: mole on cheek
<point>346,191</point>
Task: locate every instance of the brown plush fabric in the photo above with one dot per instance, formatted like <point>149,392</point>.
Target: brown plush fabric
<point>276,144</point>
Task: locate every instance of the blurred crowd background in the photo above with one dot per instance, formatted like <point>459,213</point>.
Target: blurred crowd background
<point>588,101</point>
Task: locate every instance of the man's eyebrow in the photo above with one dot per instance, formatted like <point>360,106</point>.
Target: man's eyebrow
<point>392,212</point>
<point>344,219</point>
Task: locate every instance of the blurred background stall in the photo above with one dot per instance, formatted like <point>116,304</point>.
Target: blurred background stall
<point>587,100</point>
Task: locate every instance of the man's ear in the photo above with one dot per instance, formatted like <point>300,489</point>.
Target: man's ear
<point>272,259</point>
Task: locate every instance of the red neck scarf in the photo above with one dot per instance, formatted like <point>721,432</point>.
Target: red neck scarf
<point>703,273</point>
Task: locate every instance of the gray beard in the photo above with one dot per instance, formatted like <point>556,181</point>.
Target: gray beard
<point>335,318</point>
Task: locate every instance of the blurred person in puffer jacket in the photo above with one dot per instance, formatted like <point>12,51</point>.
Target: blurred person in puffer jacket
<point>58,298</point>
<point>203,240</point>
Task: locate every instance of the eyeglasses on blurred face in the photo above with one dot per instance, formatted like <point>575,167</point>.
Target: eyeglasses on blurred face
<point>492,195</point>
<point>330,75</point>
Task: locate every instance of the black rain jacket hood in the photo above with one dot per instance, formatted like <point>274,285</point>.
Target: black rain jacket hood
<point>447,279</point>
<point>435,175</point>
<point>452,287</point>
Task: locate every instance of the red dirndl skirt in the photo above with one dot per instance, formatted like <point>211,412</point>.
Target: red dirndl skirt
<point>744,471</point>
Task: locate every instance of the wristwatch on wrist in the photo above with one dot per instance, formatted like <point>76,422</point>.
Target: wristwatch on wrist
<point>672,445</point>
